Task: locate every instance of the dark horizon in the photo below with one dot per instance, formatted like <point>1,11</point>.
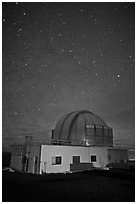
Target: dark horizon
<point>63,57</point>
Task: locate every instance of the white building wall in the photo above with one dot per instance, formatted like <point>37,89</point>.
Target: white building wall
<point>67,152</point>
<point>43,155</point>
<point>101,156</point>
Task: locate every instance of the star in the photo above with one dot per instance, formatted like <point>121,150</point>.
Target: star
<point>94,61</point>
<point>45,65</point>
<point>26,64</point>
<point>60,57</point>
<point>83,92</point>
<point>101,54</point>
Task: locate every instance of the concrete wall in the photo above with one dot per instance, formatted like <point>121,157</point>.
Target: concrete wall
<point>16,156</point>
<point>67,153</point>
<point>31,152</point>
<point>34,152</point>
<point>116,155</point>
<point>40,157</point>
<point>101,154</point>
<point>81,167</point>
<point>16,162</point>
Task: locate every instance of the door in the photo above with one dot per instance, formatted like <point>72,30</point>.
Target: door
<point>35,165</point>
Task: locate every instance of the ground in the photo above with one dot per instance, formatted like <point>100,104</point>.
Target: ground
<point>91,186</point>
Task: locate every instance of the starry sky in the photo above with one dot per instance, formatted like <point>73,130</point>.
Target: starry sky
<point>62,57</point>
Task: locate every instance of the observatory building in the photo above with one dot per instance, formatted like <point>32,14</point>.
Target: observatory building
<point>80,141</point>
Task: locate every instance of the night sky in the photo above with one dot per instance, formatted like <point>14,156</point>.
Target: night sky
<point>63,57</point>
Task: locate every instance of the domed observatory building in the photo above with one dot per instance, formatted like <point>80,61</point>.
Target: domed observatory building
<point>82,128</point>
<point>80,141</point>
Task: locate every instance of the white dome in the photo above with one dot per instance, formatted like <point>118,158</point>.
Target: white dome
<point>83,127</point>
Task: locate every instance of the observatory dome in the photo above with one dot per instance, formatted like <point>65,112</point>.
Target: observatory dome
<point>82,128</point>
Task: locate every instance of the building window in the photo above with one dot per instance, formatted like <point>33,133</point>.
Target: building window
<point>76,159</point>
<point>93,158</point>
<point>24,159</point>
<point>122,161</point>
<point>109,157</point>
<point>56,160</point>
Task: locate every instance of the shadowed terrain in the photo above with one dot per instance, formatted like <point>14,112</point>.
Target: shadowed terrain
<point>97,186</point>
<point>6,157</point>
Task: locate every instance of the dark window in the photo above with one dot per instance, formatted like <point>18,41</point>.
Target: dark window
<point>24,159</point>
<point>109,157</point>
<point>93,158</point>
<point>56,160</point>
<point>76,159</point>
<point>122,161</point>
<point>36,159</point>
